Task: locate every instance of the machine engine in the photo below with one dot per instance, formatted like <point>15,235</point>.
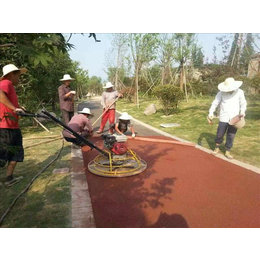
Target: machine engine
<point>115,143</point>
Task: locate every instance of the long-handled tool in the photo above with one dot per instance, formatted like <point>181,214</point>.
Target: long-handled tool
<point>105,111</point>
<point>82,139</point>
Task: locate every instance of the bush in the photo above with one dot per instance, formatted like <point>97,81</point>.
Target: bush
<point>169,96</point>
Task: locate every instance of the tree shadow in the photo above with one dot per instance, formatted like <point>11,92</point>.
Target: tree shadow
<point>121,202</point>
<point>170,221</point>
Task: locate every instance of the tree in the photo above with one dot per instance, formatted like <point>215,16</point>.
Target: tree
<point>95,85</point>
<point>166,57</point>
<point>184,41</point>
<point>82,79</point>
<point>35,48</point>
<point>115,59</point>
<point>233,58</point>
<point>247,52</point>
<point>143,50</point>
<point>169,96</point>
<point>197,56</point>
<point>224,43</point>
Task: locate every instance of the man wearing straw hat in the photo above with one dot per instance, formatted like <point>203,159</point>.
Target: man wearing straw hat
<point>123,123</point>
<point>11,148</point>
<point>80,123</point>
<point>108,102</point>
<point>66,97</point>
<point>232,105</point>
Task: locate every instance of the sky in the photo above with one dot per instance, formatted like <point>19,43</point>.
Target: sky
<point>91,54</point>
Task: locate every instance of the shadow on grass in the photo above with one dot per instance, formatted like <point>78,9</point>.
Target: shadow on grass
<point>209,138</point>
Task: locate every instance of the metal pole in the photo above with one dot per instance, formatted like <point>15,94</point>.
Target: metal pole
<point>106,154</point>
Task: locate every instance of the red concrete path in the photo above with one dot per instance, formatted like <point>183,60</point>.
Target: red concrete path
<point>182,187</point>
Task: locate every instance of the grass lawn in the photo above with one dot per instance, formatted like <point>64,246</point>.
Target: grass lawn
<point>47,203</point>
<point>194,126</point>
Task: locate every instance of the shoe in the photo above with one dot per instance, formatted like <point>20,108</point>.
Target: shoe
<point>216,151</point>
<point>99,132</point>
<point>228,155</point>
<point>13,181</point>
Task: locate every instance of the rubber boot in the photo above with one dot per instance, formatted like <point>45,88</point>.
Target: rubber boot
<point>216,151</point>
<point>228,155</point>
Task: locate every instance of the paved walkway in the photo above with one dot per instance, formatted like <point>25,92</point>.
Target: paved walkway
<point>182,187</point>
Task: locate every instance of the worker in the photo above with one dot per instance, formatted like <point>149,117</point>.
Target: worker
<point>232,102</point>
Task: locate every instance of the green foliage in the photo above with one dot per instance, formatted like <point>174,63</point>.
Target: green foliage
<point>95,85</point>
<point>169,96</point>
<point>33,48</point>
<point>247,52</point>
<point>197,56</point>
<point>212,75</point>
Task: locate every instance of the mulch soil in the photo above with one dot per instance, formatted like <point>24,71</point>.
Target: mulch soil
<point>181,187</point>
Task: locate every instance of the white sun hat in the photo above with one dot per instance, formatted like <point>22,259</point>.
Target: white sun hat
<point>108,85</point>
<point>10,68</point>
<point>66,77</point>
<point>125,116</point>
<point>85,110</point>
<point>229,85</point>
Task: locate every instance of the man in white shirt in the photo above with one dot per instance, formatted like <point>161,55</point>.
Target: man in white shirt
<point>232,103</point>
<point>108,102</point>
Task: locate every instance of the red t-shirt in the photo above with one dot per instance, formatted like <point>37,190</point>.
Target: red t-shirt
<point>8,119</point>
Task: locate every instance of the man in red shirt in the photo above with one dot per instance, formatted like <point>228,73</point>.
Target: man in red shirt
<point>11,148</point>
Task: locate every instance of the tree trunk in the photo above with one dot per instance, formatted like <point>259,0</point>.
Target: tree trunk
<point>185,87</point>
<point>136,87</point>
<point>181,78</point>
<point>239,49</point>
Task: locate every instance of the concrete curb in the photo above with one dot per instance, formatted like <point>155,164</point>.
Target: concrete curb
<point>220,156</point>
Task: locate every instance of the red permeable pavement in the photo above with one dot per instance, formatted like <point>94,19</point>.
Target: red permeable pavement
<point>181,187</point>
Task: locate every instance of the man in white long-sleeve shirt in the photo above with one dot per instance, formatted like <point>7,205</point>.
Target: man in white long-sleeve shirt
<point>232,103</point>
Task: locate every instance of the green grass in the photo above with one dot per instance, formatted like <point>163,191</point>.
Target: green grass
<point>195,128</point>
<point>48,201</point>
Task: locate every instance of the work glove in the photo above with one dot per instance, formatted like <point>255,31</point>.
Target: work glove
<point>133,135</point>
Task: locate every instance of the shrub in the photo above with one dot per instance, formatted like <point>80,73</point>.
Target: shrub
<point>169,96</point>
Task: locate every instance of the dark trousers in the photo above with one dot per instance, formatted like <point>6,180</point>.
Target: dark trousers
<point>231,133</point>
<point>66,116</point>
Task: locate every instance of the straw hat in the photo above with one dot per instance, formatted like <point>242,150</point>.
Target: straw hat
<point>108,85</point>
<point>238,121</point>
<point>66,77</point>
<point>125,116</point>
<point>229,85</point>
<point>85,111</point>
<point>10,68</point>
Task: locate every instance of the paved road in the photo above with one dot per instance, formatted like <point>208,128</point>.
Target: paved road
<point>96,108</point>
<point>181,187</point>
